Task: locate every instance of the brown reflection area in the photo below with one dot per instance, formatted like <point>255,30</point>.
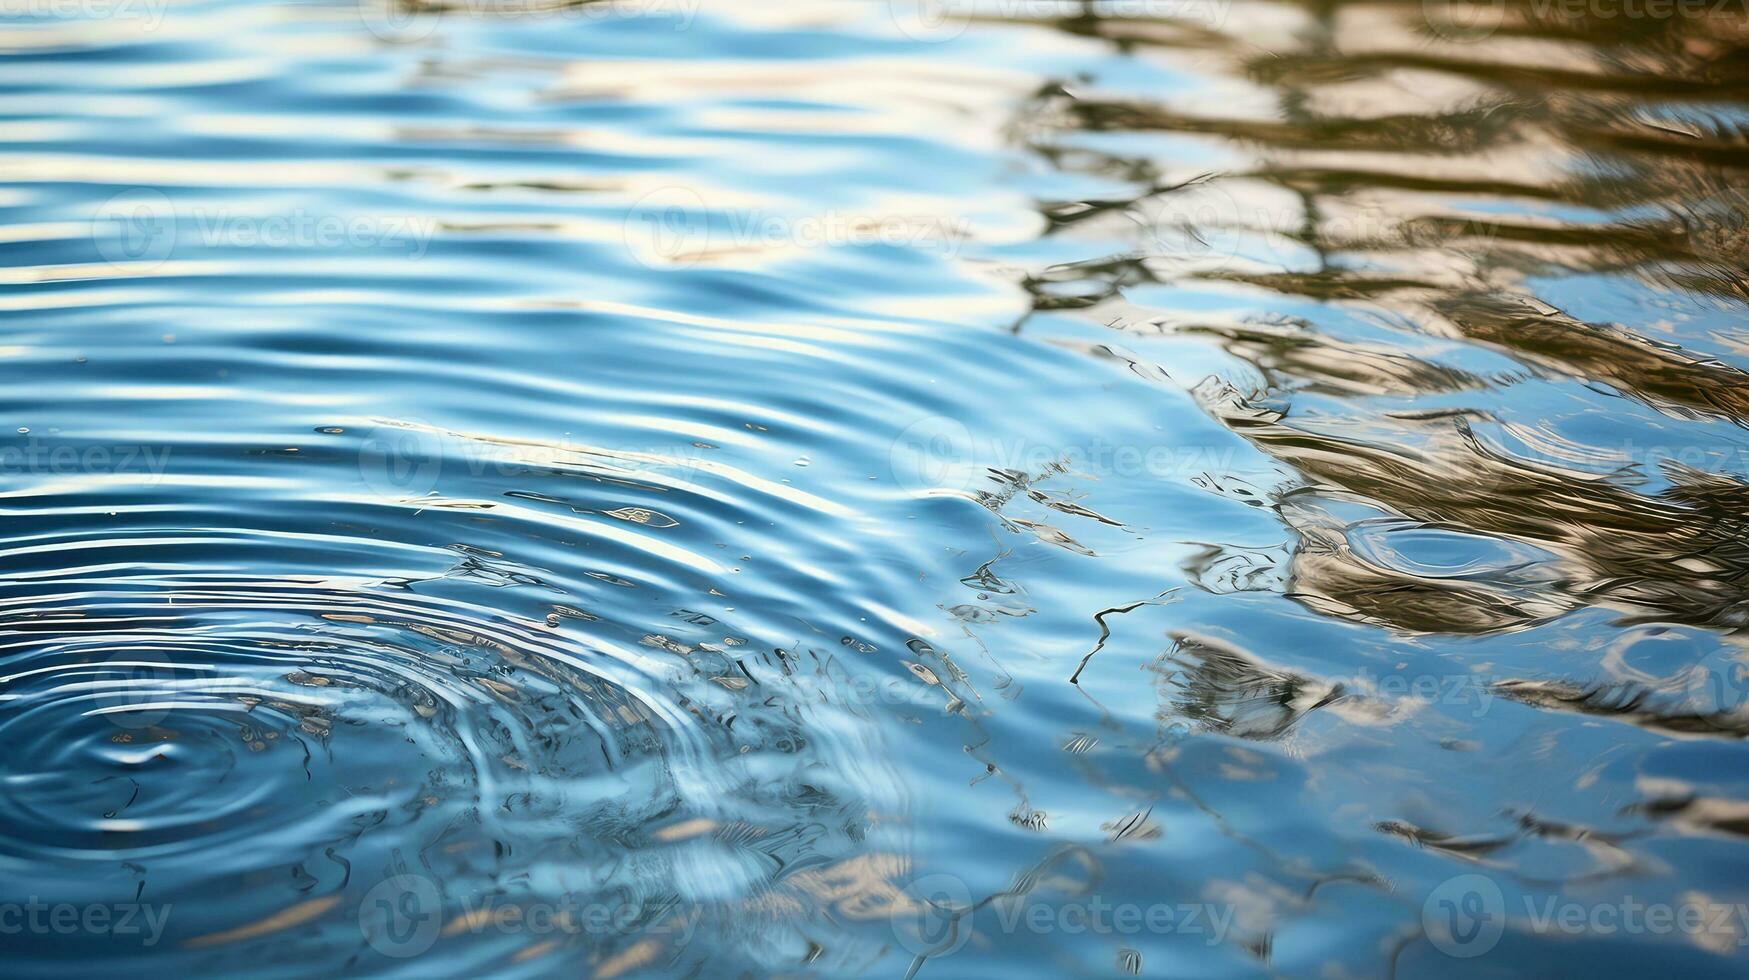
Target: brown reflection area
<point>1663,376</point>
<point>1633,704</point>
<point>1468,130</point>
<point>1389,103</point>
<point>1326,575</point>
<point>1224,689</point>
<point>1295,355</point>
<point>1699,814</point>
<point>1425,164</point>
<point>1681,555</point>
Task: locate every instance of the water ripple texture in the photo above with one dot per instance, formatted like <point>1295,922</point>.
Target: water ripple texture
<point>926,488</point>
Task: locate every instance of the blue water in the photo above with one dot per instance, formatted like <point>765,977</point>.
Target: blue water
<point>829,488</point>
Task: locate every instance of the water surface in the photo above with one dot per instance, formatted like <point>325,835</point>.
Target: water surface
<point>833,488</point>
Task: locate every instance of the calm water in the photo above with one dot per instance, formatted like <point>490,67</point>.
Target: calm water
<point>824,488</point>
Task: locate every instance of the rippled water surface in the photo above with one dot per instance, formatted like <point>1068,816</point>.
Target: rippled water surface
<point>823,488</point>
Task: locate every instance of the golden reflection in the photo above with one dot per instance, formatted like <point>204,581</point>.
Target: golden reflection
<point>1411,172</point>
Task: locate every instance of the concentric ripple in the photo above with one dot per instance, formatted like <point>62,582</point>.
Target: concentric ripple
<point>199,730</point>
<point>207,709</point>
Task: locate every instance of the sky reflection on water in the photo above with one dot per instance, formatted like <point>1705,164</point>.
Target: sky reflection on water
<point>960,489</point>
